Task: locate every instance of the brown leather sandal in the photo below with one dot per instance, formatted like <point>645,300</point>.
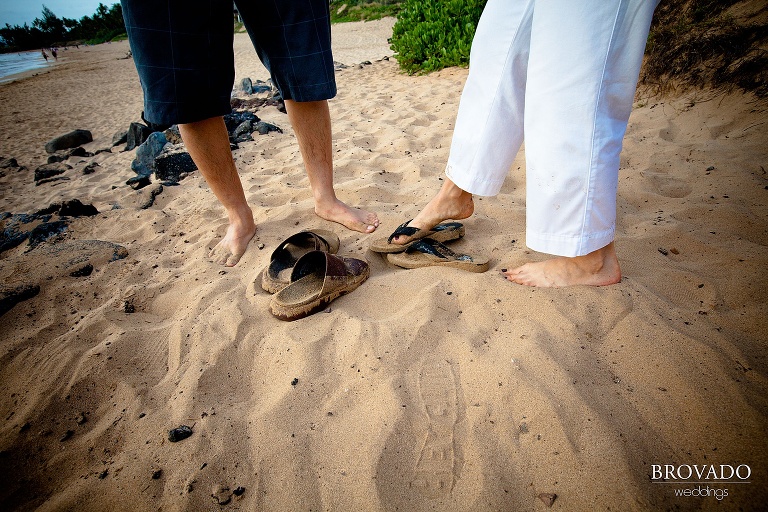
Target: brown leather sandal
<point>276,275</point>
<point>317,279</point>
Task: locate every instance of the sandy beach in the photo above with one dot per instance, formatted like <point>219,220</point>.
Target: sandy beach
<point>427,389</point>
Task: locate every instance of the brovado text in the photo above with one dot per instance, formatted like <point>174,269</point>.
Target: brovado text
<point>700,472</point>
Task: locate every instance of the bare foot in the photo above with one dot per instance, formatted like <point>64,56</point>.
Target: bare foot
<point>450,202</point>
<point>598,268</point>
<point>351,218</point>
<point>232,247</point>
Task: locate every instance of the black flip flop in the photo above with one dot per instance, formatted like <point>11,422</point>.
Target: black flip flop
<point>430,253</point>
<point>444,232</point>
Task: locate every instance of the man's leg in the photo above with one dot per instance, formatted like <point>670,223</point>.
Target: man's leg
<point>311,122</point>
<point>293,41</point>
<point>208,143</point>
<point>191,43</point>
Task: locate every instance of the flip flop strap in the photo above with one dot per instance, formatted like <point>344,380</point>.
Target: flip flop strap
<point>435,248</point>
<point>403,229</point>
<point>447,225</point>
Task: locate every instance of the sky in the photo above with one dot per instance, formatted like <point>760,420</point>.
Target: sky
<point>18,12</point>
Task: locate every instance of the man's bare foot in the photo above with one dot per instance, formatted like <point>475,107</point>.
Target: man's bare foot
<point>450,202</point>
<point>598,268</point>
<point>232,247</point>
<point>351,218</point>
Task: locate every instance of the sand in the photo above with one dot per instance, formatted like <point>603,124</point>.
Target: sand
<point>426,389</point>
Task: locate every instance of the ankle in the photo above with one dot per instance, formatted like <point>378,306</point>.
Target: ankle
<point>450,190</point>
<point>241,218</point>
<point>324,199</point>
<point>600,260</point>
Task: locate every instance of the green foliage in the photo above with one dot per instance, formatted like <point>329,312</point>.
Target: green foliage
<point>362,10</point>
<point>15,38</point>
<point>105,25</point>
<point>432,34</point>
<point>50,25</point>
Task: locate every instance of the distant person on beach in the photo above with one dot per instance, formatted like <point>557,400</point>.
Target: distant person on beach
<point>55,53</point>
<point>185,60</point>
<point>561,75</point>
<point>45,55</point>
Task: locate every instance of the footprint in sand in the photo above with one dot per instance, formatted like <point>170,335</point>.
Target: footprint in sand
<point>434,472</point>
<point>667,186</point>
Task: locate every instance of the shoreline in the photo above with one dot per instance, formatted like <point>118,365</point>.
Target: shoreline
<point>21,75</point>
<point>43,67</point>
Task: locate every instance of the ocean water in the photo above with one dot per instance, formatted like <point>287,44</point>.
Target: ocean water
<point>12,63</point>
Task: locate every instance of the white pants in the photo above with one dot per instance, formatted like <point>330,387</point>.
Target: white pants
<point>561,75</point>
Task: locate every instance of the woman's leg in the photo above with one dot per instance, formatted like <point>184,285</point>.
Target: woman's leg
<point>489,123</point>
<point>584,64</point>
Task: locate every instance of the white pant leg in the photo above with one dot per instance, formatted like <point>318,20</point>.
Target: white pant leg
<point>489,124</point>
<point>583,67</point>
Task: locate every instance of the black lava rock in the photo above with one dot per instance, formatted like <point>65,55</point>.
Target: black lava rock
<point>74,208</point>
<point>82,272</point>
<point>69,140</point>
<point>120,138</point>
<point>173,161</point>
<point>11,297</point>
<point>138,182</point>
<point>264,128</point>
<point>49,170</point>
<point>137,134</point>
<point>45,231</point>
<point>144,163</point>
<point>91,168</point>
<point>179,433</point>
<point>235,119</point>
<point>8,163</point>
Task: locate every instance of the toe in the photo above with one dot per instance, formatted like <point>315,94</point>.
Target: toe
<point>219,255</point>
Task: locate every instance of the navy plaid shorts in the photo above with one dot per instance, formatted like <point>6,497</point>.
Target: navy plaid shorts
<point>183,52</point>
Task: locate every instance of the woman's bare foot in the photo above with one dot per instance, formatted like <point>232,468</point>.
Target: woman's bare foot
<point>232,247</point>
<point>598,268</point>
<point>451,202</point>
<point>351,218</point>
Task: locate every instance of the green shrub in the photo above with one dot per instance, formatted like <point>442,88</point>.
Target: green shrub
<point>362,10</point>
<point>432,34</point>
